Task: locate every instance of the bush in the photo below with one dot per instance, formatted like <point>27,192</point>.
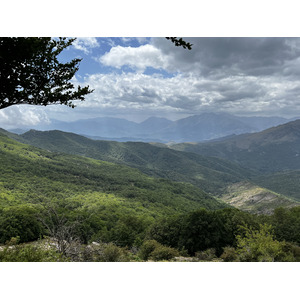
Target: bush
<point>294,250</point>
<point>163,253</point>
<point>102,252</point>
<point>229,255</point>
<point>206,255</point>
<point>153,250</point>
<point>113,253</point>
<point>147,248</point>
<point>20,221</point>
<point>260,246</point>
<point>28,253</point>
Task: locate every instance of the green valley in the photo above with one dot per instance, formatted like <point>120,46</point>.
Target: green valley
<point>208,173</point>
<point>108,201</point>
<point>32,178</point>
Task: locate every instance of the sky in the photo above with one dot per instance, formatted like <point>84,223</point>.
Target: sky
<point>135,78</point>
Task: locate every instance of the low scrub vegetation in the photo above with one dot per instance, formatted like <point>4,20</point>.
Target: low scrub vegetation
<point>223,235</point>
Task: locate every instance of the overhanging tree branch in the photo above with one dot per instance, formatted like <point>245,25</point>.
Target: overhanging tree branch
<point>179,42</point>
<point>30,72</point>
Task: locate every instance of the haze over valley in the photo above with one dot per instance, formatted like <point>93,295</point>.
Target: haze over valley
<point>196,128</point>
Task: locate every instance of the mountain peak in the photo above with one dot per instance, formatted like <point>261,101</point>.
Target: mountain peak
<point>195,128</point>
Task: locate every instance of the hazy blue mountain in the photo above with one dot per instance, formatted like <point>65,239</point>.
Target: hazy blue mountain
<point>209,126</point>
<point>142,132</point>
<point>18,130</point>
<point>272,150</point>
<point>262,123</point>
<point>204,127</point>
<point>154,124</point>
<point>106,127</point>
<point>197,128</point>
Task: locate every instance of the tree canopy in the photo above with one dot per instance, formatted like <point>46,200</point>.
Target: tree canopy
<point>30,72</point>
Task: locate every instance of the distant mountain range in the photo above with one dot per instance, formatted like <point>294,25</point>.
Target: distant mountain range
<point>274,153</point>
<point>197,128</point>
<point>272,150</point>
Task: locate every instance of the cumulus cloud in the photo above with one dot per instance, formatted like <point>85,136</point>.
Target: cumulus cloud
<point>85,44</point>
<point>22,115</point>
<point>188,94</point>
<point>221,57</point>
<point>212,57</point>
<point>138,58</point>
<point>247,76</point>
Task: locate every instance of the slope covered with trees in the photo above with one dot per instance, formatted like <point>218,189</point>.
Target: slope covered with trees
<point>32,178</point>
<point>214,175</point>
<point>128,215</point>
<point>272,150</point>
<point>209,174</point>
<point>273,155</point>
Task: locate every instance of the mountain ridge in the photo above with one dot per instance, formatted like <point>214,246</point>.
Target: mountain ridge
<point>274,149</point>
<point>196,128</point>
<point>274,153</point>
<point>27,170</point>
<point>210,174</point>
<point>206,173</point>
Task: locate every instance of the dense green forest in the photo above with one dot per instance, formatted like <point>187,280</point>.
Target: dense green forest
<point>208,173</point>
<point>273,150</point>
<point>59,207</point>
<point>221,178</point>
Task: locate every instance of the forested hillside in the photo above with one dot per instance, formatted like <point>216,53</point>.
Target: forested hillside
<point>84,173</point>
<point>62,207</point>
<point>272,150</point>
<point>208,173</point>
<point>285,182</point>
<point>31,177</point>
<point>272,154</point>
<point>213,175</point>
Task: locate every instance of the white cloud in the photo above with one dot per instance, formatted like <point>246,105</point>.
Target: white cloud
<point>223,57</point>
<point>22,115</point>
<point>137,96</point>
<point>191,94</point>
<point>85,44</point>
<point>243,76</point>
<point>138,58</point>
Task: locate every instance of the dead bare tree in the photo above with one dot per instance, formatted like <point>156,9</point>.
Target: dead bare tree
<point>62,232</point>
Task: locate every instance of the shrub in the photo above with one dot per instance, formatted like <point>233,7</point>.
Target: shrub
<point>113,253</point>
<point>260,246</point>
<point>20,221</point>
<point>229,255</point>
<point>163,253</point>
<point>28,253</point>
<point>206,255</point>
<point>102,252</point>
<point>152,249</point>
<point>294,251</point>
<point>147,248</point>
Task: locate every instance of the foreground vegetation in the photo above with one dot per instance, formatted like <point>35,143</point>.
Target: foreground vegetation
<point>223,235</point>
<point>57,207</point>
